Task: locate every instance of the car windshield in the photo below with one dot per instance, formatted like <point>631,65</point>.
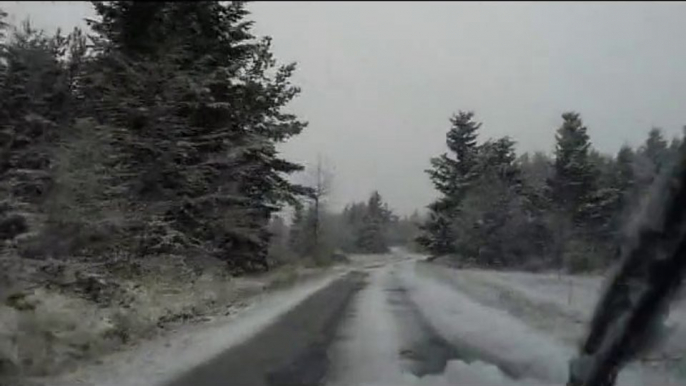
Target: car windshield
<point>218,193</point>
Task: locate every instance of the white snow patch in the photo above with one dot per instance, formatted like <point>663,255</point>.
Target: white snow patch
<point>492,331</point>
<point>562,305</point>
<point>368,352</point>
<point>159,361</point>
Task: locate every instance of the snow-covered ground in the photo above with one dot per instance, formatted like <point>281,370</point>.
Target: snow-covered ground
<point>409,306</point>
<point>158,361</point>
<point>560,307</point>
<point>412,324</point>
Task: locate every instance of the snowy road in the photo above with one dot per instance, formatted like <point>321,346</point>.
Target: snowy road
<point>390,321</point>
<point>388,324</point>
<point>404,329</point>
<point>397,323</point>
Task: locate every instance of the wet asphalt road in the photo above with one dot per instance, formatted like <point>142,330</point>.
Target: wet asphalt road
<point>292,351</point>
<point>296,348</point>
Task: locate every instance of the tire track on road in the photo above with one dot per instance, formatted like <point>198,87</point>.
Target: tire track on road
<point>425,351</point>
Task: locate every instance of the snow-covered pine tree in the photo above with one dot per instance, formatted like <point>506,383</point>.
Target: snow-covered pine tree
<point>574,178</point>
<point>196,104</point>
<point>34,101</point>
<point>371,236</point>
<point>451,174</point>
<point>573,193</point>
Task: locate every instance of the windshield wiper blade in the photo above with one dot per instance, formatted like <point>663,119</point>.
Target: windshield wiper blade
<point>633,306</point>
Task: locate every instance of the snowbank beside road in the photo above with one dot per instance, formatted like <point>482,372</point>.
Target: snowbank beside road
<point>493,332</point>
<point>560,307</point>
<point>158,361</point>
<point>68,314</point>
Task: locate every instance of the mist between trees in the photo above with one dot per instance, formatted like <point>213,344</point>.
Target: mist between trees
<point>324,236</point>
<point>533,211</point>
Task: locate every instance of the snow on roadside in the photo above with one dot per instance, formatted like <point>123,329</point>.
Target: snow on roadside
<point>575,297</point>
<point>158,361</point>
<point>368,353</point>
<point>574,294</point>
<point>492,331</point>
<point>540,307</point>
<point>557,309</point>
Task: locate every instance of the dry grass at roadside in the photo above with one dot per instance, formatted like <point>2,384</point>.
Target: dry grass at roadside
<point>50,329</point>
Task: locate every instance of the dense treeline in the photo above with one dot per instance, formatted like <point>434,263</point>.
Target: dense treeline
<point>155,134</point>
<point>536,211</point>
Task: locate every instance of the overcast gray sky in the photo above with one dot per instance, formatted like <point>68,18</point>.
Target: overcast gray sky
<point>380,80</point>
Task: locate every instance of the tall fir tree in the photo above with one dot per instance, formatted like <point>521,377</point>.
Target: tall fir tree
<point>624,172</point>
<point>623,181</point>
<point>353,217</point>
<point>483,227</point>
<point>372,236</point>
<point>301,235</point>
<point>651,159</point>
<point>195,104</point>
<point>656,149</point>
<point>574,195</point>
<point>34,110</point>
<point>574,178</point>
<point>451,175</point>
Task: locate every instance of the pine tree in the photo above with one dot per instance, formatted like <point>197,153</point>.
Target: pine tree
<point>574,195</point>
<point>600,213</point>
<point>34,96</point>
<point>483,227</point>
<point>674,149</point>
<point>537,171</point>
<point>194,102</point>
<point>452,173</point>
<point>302,231</point>
<point>626,197</point>
<point>372,236</point>
<point>655,149</point>
<point>497,158</point>
<point>574,178</point>
<point>624,172</point>
<point>651,159</point>
<point>451,176</point>
<point>353,217</point>
<point>436,234</point>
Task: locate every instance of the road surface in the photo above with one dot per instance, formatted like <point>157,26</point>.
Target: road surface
<point>395,322</point>
<point>386,320</point>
